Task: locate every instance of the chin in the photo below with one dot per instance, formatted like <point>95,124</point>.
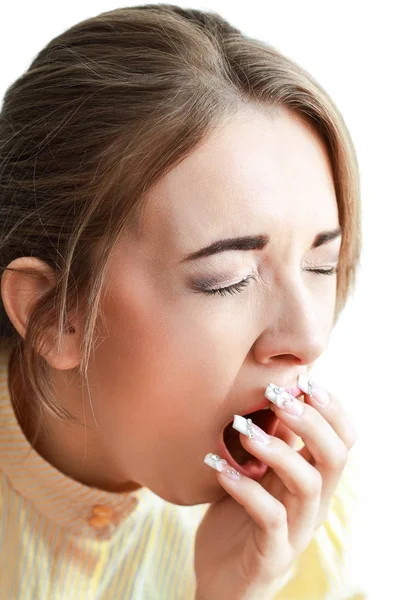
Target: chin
<point>211,492</point>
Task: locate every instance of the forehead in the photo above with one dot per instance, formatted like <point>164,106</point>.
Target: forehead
<point>256,174</point>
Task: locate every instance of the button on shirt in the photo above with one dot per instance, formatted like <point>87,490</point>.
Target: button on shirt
<point>63,540</point>
<point>101,516</point>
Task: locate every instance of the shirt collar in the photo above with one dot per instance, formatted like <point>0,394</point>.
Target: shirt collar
<point>83,510</point>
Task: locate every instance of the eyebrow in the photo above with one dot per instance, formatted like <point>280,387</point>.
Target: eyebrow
<point>256,242</point>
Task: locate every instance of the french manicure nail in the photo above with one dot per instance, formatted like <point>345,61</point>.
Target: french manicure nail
<point>221,465</point>
<point>253,432</point>
<point>312,389</point>
<point>282,399</point>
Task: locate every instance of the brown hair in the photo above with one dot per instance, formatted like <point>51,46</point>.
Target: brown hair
<point>102,113</point>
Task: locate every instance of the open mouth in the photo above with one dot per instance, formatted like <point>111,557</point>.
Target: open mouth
<point>232,450</point>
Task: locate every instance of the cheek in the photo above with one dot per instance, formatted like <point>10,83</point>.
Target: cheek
<point>166,361</point>
<point>150,366</point>
<point>327,303</point>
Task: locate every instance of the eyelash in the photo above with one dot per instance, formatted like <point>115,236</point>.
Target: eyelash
<point>237,287</point>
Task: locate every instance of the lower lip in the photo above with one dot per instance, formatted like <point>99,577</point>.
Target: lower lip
<point>251,470</point>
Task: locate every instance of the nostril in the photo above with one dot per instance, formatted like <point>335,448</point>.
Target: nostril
<point>288,358</point>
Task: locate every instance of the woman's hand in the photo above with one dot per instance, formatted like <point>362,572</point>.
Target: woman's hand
<point>247,541</point>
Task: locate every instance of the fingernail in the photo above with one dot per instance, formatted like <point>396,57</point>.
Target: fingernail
<point>312,389</point>
<point>253,432</point>
<point>220,464</point>
<point>282,399</point>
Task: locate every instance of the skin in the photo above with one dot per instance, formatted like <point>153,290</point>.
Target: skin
<point>247,541</point>
<point>175,365</point>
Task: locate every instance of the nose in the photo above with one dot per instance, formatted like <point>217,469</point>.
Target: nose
<point>297,329</point>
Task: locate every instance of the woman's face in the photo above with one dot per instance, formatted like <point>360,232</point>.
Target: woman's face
<point>176,363</point>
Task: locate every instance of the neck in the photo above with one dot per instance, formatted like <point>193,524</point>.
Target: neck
<point>70,446</point>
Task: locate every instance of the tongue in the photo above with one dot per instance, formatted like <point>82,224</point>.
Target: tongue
<point>232,440</point>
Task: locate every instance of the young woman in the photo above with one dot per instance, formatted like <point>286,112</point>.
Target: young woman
<point>180,230</point>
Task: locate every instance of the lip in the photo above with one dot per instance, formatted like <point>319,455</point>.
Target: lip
<point>294,390</point>
<point>251,470</point>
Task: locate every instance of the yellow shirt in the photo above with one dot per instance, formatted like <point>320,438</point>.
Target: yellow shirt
<point>62,540</point>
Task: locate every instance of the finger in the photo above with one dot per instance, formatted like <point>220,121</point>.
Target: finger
<point>286,435</point>
<point>324,449</point>
<point>331,408</point>
<point>301,479</point>
<point>298,475</point>
<point>267,513</point>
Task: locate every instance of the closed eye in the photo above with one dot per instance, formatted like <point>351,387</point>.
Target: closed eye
<point>238,287</point>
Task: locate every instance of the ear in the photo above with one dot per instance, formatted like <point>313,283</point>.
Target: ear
<point>20,292</point>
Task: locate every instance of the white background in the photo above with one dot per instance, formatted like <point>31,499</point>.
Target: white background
<point>353,50</point>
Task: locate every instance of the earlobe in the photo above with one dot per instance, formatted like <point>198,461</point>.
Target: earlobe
<point>20,292</point>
